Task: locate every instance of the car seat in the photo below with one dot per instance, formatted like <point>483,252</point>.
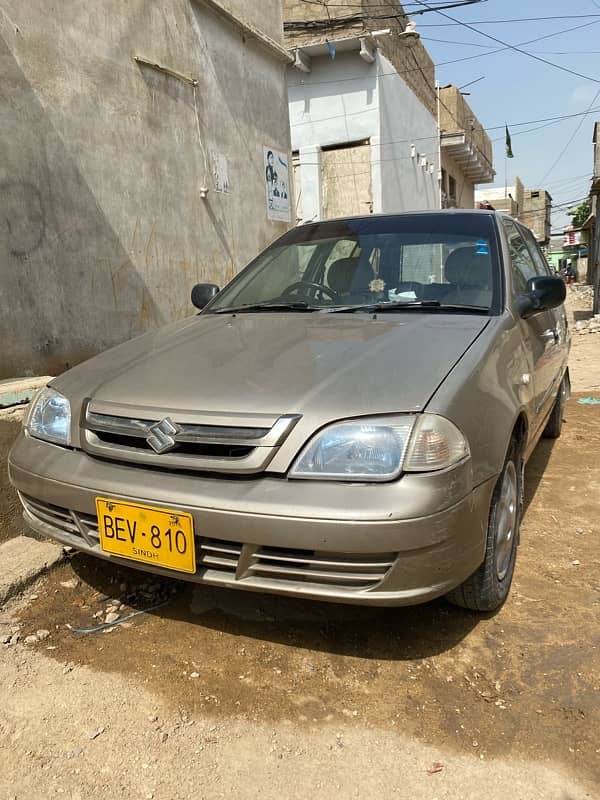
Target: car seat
<point>341,274</point>
<point>469,273</point>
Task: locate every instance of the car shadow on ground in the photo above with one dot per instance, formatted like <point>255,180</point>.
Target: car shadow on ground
<point>401,633</point>
<point>535,469</point>
<point>398,633</point>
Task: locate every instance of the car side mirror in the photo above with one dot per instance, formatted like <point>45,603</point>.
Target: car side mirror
<point>203,293</point>
<point>543,293</point>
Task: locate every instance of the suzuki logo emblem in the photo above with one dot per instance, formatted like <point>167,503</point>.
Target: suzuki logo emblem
<point>160,435</point>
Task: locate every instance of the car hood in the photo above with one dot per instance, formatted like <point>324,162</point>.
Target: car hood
<point>328,366</point>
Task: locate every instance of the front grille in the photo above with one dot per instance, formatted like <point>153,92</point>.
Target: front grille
<point>184,448</point>
<point>193,441</point>
<point>343,570</point>
<point>54,516</point>
<point>239,562</point>
<point>336,570</point>
<point>73,522</point>
<point>219,554</point>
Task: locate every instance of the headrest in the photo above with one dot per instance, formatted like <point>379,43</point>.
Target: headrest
<point>465,267</point>
<point>341,274</point>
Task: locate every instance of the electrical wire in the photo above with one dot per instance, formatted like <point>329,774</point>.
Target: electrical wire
<point>459,4</point>
<point>501,21</point>
<point>519,44</point>
<point>570,179</point>
<point>529,130</point>
<point>508,46</point>
<point>488,129</point>
<point>450,41</point>
<point>568,52</point>
<point>324,3</point>
<point>448,24</point>
<point>574,134</point>
<point>516,48</point>
<point>490,48</point>
<point>468,58</point>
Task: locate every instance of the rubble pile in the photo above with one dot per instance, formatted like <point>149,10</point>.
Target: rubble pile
<point>584,290</point>
<point>588,325</point>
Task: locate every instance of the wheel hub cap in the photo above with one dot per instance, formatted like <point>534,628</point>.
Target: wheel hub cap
<point>506,520</point>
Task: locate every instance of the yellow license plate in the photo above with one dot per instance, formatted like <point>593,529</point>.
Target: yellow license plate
<point>158,536</point>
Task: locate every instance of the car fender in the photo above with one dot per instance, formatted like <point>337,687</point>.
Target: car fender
<point>486,393</point>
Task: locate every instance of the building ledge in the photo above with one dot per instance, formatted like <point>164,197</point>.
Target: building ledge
<point>364,45</point>
<point>470,159</point>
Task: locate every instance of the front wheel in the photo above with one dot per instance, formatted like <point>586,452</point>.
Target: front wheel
<point>488,587</point>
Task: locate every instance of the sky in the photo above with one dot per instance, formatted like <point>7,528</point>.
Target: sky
<point>518,89</point>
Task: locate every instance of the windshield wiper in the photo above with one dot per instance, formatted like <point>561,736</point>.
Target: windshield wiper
<point>419,305</point>
<point>299,306</point>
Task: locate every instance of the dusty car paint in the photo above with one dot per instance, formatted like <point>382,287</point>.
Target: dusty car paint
<point>402,542</point>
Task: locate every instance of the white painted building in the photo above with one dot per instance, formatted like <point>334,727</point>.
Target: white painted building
<point>362,140</point>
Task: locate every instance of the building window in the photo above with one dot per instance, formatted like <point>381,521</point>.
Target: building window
<point>452,189</point>
<point>444,188</point>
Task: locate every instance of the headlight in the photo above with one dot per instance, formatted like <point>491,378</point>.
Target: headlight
<point>363,450</point>
<point>380,448</point>
<point>50,417</point>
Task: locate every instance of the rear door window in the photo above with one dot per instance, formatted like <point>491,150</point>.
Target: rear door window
<point>522,265</point>
<point>540,263</point>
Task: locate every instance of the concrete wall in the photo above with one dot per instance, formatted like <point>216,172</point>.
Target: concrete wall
<point>103,231</point>
<point>536,213</point>
<point>596,143</point>
<point>465,190</point>
<point>349,100</point>
<point>266,17</point>
<point>405,184</point>
<point>336,102</point>
<point>509,199</point>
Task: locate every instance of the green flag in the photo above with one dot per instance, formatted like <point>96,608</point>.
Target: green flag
<point>509,152</point>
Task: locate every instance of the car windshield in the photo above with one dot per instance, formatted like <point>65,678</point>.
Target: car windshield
<point>432,260</point>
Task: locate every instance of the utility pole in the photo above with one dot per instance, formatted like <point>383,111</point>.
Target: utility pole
<point>439,133</point>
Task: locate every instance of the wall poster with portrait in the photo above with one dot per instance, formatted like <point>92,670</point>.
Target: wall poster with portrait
<point>277,184</point>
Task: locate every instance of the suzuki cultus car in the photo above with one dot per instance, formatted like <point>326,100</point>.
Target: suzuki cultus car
<point>347,420</point>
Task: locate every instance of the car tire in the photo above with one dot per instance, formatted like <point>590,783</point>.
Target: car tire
<point>555,420</point>
<point>488,587</point>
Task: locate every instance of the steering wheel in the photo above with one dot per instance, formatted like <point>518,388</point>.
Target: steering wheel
<point>319,287</point>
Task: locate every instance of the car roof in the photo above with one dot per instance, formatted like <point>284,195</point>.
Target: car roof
<point>421,212</point>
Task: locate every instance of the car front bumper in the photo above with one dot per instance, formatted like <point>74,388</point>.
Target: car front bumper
<point>373,544</point>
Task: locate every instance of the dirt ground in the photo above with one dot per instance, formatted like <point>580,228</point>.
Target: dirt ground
<point>10,513</point>
<point>220,693</point>
<point>584,363</point>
